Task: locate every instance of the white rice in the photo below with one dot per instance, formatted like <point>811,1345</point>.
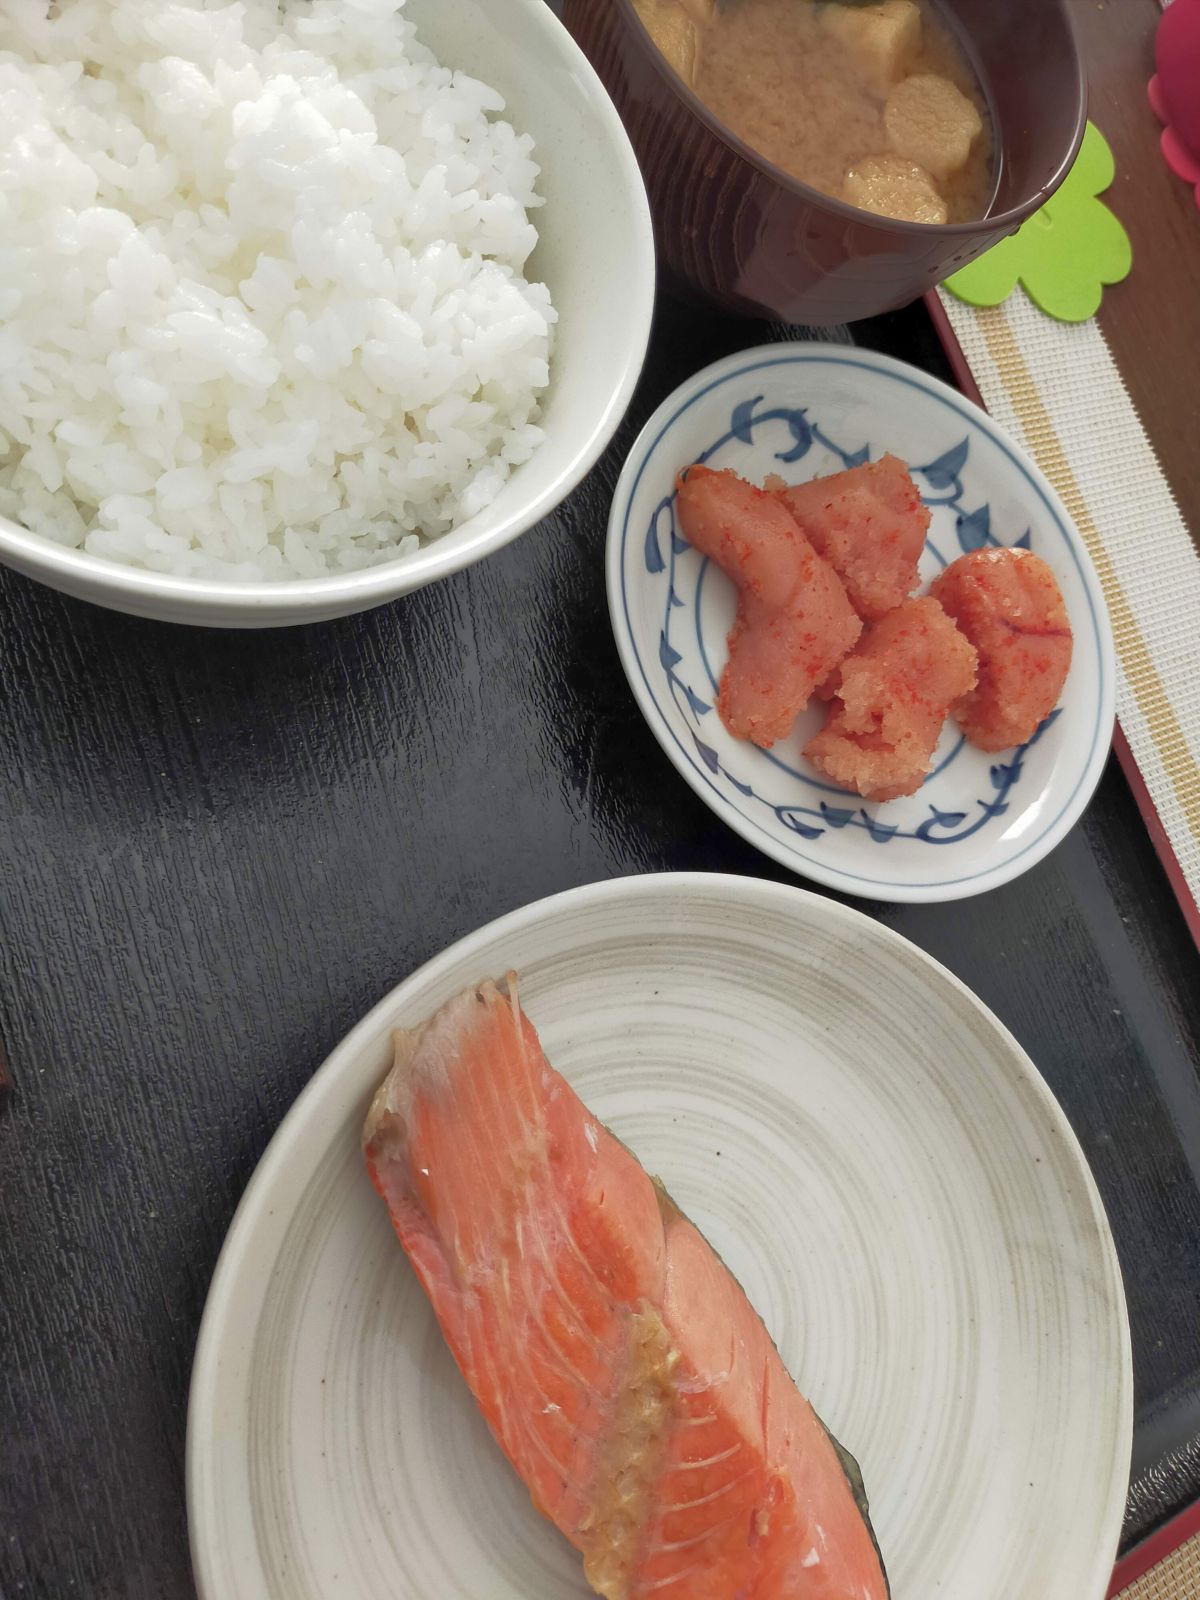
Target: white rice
<point>262,304</point>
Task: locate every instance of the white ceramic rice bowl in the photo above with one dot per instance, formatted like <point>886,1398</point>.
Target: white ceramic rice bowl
<point>595,252</point>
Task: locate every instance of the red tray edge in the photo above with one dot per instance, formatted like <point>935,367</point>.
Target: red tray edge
<point>1157,1547</point>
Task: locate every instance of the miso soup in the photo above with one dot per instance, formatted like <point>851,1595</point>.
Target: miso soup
<point>875,104</point>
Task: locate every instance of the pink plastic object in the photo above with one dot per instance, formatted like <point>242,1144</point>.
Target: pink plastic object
<point>1175,89</point>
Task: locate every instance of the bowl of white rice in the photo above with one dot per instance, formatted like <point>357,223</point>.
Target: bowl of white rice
<point>303,303</point>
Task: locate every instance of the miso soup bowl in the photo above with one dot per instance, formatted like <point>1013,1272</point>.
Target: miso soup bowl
<point>736,231</point>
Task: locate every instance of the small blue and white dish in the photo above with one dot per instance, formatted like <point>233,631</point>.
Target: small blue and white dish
<point>801,411</point>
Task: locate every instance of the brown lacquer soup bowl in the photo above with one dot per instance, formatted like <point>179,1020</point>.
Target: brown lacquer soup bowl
<point>736,231</point>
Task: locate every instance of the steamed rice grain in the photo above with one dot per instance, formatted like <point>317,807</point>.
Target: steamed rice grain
<point>263,312</point>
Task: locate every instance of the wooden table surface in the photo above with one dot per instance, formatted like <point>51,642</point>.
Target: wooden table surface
<point>1152,320</point>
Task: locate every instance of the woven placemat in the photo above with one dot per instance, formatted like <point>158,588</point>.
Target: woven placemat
<point>1058,389</point>
<point>1175,1577</point>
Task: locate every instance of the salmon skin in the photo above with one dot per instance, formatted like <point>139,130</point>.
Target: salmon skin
<point>619,1365</point>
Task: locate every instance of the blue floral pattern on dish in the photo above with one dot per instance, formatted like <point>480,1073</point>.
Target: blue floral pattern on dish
<point>943,483</point>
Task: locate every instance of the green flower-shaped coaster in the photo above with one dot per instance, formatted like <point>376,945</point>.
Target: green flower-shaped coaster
<point>1065,254</point>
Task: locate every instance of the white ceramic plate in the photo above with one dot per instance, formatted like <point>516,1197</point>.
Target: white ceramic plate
<point>801,411</point>
<point>874,1156</point>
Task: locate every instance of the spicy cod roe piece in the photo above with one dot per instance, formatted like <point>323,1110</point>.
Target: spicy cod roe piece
<point>1009,606</point>
<point>794,622</point>
<point>870,525</point>
<point>894,691</point>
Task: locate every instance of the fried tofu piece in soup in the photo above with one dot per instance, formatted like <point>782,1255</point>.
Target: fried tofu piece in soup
<point>884,39</point>
<point>931,122</point>
<point>894,188</point>
<point>670,24</point>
